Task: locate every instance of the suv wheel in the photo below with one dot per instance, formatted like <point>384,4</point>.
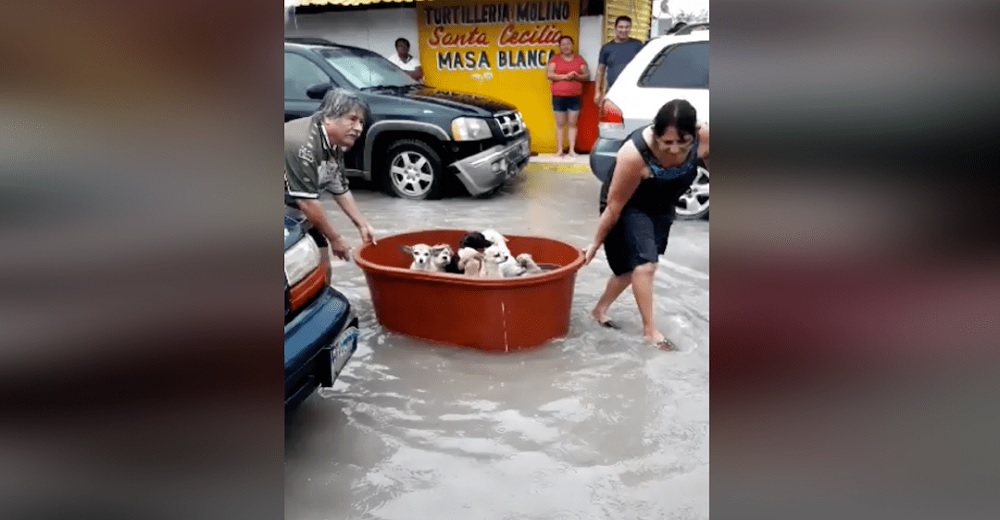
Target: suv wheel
<point>693,204</point>
<point>414,170</point>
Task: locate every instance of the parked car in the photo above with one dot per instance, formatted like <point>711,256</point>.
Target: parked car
<point>668,67</point>
<point>321,329</point>
<point>416,136</point>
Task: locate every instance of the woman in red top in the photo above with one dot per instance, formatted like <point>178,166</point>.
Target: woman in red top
<point>568,72</point>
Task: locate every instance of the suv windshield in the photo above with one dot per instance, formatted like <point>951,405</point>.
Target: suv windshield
<point>365,69</point>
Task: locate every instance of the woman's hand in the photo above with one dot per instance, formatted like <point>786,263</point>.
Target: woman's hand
<point>589,253</point>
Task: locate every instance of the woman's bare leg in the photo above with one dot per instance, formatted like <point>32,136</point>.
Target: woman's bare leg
<point>560,125</point>
<point>572,117</point>
<point>642,287</point>
<point>615,287</point>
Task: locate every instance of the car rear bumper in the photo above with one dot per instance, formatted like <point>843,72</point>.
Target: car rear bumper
<point>318,342</point>
<point>490,168</point>
<point>602,157</point>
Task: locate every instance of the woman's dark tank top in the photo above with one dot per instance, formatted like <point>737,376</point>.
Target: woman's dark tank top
<point>658,194</point>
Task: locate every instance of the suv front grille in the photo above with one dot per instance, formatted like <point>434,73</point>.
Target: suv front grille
<point>510,123</point>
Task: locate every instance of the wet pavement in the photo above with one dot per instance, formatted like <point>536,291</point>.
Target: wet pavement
<point>596,425</point>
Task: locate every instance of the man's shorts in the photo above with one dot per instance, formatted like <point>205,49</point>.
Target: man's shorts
<point>565,103</point>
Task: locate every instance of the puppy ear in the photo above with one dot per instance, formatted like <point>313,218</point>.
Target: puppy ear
<point>406,249</point>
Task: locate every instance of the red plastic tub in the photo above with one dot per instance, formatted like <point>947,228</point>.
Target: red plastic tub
<point>502,315</point>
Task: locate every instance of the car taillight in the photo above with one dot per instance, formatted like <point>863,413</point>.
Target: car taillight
<point>611,114</point>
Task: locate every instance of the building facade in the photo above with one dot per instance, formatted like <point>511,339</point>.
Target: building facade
<point>497,48</point>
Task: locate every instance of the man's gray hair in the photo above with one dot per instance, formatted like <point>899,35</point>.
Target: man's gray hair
<point>338,102</point>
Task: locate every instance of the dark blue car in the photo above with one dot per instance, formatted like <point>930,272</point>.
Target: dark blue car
<point>321,329</point>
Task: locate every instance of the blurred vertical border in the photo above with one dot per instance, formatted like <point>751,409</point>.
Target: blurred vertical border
<point>139,290</point>
<point>855,287</point>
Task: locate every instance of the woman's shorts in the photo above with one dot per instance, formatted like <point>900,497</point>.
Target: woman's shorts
<point>638,238</point>
<point>566,103</point>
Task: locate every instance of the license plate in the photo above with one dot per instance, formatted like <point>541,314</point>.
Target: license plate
<point>519,152</point>
<point>343,348</point>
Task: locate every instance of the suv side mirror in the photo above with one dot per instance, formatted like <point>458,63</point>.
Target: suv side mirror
<point>318,91</point>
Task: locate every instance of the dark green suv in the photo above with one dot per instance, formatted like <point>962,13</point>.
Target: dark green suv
<point>417,137</point>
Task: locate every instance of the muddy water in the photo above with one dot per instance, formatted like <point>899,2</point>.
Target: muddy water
<point>596,425</point>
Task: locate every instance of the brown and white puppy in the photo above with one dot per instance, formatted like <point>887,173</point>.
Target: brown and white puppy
<point>493,257</point>
<point>470,262</point>
<point>421,254</point>
<point>527,263</point>
<point>441,256</point>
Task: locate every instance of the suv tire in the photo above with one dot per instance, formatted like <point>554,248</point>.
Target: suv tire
<point>413,170</point>
<point>693,204</point>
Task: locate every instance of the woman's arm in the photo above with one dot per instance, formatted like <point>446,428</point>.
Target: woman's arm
<point>703,144</point>
<point>625,180</point>
<point>550,72</point>
<point>584,75</point>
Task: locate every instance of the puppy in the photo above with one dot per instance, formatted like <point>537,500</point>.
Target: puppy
<point>474,240</point>
<point>470,262</point>
<point>495,238</point>
<point>509,268</point>
<point>527,264</point>
<point>441,258</point>
<point>421,254</point>
<point>493,257</point>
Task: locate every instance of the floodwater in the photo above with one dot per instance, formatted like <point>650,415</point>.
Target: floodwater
<point>596,425</point>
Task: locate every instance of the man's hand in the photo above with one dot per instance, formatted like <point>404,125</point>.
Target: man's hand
<point>597,98</point>
<point>367,233</point>
<point>340,248</point>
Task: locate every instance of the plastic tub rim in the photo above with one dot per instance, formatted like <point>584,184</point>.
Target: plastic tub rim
<point>460,279</point>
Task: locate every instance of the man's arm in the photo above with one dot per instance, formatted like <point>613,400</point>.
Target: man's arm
<point>350,208</point>
<point>599,82</point>
<point>417,73</point>
<point>317,217</point>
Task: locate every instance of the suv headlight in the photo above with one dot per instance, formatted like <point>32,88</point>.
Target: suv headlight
<point>470,129</point>
<point>301,259</point>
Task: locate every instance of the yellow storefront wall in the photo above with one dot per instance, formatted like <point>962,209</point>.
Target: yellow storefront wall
<point>498,49</point>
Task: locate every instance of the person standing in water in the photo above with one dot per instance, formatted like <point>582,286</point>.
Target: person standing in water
<point>568,72</point>
<point>638,206</point>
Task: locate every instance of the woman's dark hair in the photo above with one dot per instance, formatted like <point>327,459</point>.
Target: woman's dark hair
<point>566,37</point>
<point>679,114</point>
<point>402,40</point>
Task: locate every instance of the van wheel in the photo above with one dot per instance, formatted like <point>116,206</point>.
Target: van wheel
<point>413,170</point>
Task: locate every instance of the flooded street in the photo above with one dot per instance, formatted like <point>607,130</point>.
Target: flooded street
<point>593,426</point>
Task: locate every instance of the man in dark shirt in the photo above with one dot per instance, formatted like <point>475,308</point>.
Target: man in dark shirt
<point>614,56</point>
<point>314,163</point>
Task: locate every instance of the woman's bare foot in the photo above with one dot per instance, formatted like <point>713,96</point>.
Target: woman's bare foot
<point>572,155</point>
<point>601,317</point>
<point>659,341</point>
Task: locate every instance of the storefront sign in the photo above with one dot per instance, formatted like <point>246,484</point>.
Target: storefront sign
<point>498,49</point>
